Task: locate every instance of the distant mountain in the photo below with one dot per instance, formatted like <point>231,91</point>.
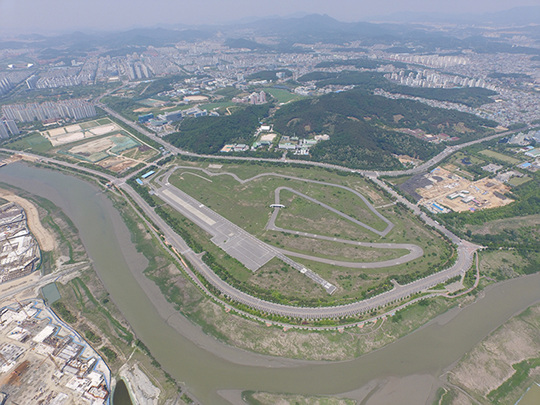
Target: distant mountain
<point>517,16</point>
<point>309,29</point>
<point>319,28</point>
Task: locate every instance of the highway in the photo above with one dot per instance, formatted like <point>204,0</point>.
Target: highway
<point>449,150</point>
<point>465,250</point>
<point>398,293</point>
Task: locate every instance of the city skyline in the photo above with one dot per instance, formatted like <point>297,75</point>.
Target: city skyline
<point>31,16</point>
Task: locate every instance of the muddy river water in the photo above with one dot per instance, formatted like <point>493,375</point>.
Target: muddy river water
<point>406,370</point>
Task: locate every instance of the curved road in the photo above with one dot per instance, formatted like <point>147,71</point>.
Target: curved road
<point>415,251</point>
<point>465,250</point>
<point>384,232</point>
<point>272,225</point>
<point>418,169</point>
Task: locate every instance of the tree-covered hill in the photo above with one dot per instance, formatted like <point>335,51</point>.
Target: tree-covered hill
<point>370,80</point>
<point>363,127</point>
<point>367,131</point>
<point>209,134</point>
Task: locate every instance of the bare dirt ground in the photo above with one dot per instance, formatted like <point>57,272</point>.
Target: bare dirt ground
<point>105,129</point>
<point>45,238</point>
<point>487,193</point>
<point>19,282</point>
<point>117,164</point>
<point>489,364</point>
<point>91,147</point>
<point>142,390</point>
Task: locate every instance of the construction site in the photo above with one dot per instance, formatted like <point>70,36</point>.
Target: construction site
<point>19,251</point>
<point>101,142</point>
<point>445,191</point>
<point>78,132</point>
<point>42,360</point>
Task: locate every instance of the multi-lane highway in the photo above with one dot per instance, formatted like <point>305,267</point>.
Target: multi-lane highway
<point>465,250</point>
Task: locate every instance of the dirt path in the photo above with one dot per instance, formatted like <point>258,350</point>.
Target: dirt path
<point>44,237</point>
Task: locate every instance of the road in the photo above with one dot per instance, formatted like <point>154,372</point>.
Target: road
<point>465,250</point>
<point>415,250</point>
<point>418,169</point>
<point>277,191</point>
<point>398,293</point>
<point>49,278</point>
<point>250,251</point>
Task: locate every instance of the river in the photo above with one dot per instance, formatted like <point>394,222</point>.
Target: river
<point>406,369</point>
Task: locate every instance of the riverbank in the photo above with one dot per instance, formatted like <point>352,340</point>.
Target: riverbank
<point>427,351</point>
<point>85,303</point>
<point>502,366</point>
<point>46,240</point>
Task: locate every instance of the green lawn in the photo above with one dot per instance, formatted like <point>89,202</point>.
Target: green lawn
<point>499,156</point>
<point>283,96</point>
<point>303,215</point>
<point>248,204</point>
<point>517,181</point>
<point>459,156</point>
<point>212,106</point>
<point>33,142</point>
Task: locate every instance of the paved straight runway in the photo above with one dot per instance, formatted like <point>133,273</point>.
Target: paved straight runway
<point>239,244</point>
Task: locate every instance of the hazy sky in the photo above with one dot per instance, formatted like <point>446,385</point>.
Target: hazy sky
<point>27,16</point>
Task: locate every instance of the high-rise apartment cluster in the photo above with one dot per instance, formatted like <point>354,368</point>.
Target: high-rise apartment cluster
<point>76,109</point>
<point>8,128</point>
<point>5,86</point>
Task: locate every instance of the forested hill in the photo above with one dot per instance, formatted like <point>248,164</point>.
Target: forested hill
<point>209,134</point>
<point>366,131</point>
<point>370,80</point>
<point>363,127</point>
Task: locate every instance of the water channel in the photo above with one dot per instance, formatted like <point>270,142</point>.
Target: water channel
<point>121,394</point>
<point>206,366</point>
